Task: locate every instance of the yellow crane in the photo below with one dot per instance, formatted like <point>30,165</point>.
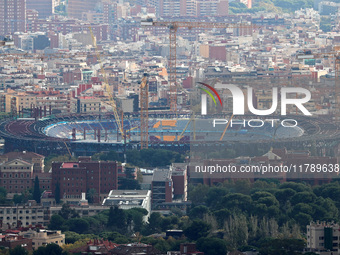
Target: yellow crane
<point>193,130</point>
<point>173,26</point>
<point>144,113</point>
<point>107,86</point>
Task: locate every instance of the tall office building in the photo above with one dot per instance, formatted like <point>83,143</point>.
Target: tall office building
<point>45,8</point>
<point>75,8</point>
<point>12,16</point>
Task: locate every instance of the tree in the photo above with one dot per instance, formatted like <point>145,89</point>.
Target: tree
<point>117,218</point>
<point>212,246</point>
<point>18,199</point>
<point>78,225</point>
<point>57,193</point>
<point>56,222</point>
<point>135,218</point>
<point>90,195</point>
<point>281,246</point>
<point>128,184</point>
<point>237,201</point>
<point>155,220</point>
<point>67,212</point>
<point>198,212</point>
<point>197,229</point>
<point>18,250</point>
<point>3,194</point>
<point>50,249</point>
<point>303,197</point>
<point>36,191</point>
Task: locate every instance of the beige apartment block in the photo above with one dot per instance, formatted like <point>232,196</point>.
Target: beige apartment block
<point>44,237</point>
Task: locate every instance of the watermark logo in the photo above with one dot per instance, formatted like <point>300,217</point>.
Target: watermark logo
<point>204,97</point>
<point>239,99</point>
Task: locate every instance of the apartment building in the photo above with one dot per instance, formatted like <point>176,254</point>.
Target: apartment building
<point>24,215</point>
<point>19,169</point>
<point>75,178</point>
<point>16,102</point>
<point>161,186</point>
<point>11,240</point>
<point>86,104</point>
<point>190,7</point>
<point>75,8</point>
<point>323,238</point>
<point>45,8</point>
<point>42,237</point>
<point>12,16</point>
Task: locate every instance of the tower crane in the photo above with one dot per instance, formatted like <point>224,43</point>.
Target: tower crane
<point>144,113</point>
<point>335,54</point>
<point>173,26</point>
<point>107,87</point>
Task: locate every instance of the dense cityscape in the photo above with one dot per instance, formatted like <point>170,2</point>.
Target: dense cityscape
<point>169,127</point>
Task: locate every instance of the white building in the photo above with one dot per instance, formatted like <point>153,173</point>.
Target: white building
<point>323,238</point>
<point>127,199</point>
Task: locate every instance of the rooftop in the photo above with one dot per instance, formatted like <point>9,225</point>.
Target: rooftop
<point>161,175</point>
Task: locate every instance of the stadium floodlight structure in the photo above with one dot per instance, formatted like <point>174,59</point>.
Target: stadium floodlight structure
<point>173,26</point>
<point>335,54</point>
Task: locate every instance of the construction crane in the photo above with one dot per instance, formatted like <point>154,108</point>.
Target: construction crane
<point>307,54</point>
<point>225,130</point>
<point>107,87</point>
<point>69,152</point>
<point>144,113</point>
<point>193,129</point>
<point>173,26</point>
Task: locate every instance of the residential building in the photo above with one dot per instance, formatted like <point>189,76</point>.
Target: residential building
<point>161,186</point>
<point>185,8</point>
<point>17,101</point>
<point>84,175</point>
<point>42,237</point>
<point>36,159</point>
<point>23,215</point>
<point>208,7</point>
<point>19,169</point>
<point>135,248</point>
<point>45,8</point>
<point>95,247</point>
<point>12,16</point>
<point>323,238</point>
<point>186,249</point>
<point>16,176</point>
<point>180,181</point>
<point>75,8</point>
<point>11,240</point>
<point>82,211</point>
<point>86,104</point>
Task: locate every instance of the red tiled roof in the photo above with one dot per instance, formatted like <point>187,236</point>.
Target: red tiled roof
<point>69,164</point>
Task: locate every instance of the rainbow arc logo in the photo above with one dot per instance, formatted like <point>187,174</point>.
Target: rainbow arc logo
<point>204,97</point>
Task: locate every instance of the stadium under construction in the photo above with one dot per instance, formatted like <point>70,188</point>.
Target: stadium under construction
<point>89,134</point>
